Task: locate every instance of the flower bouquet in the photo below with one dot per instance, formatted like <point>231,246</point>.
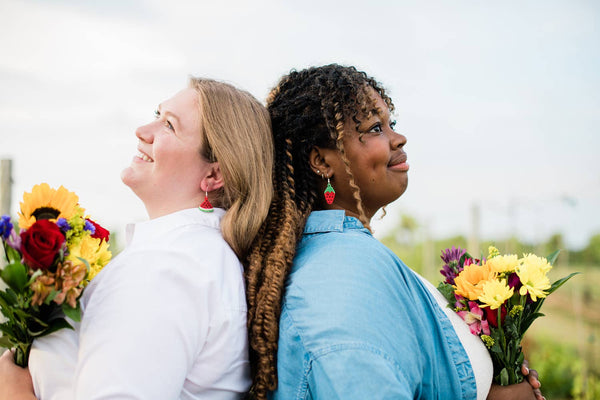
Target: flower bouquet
<point>499,298</point>
<point>48,263</point>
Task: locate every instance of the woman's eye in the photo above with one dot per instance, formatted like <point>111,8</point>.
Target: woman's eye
<point>376,128</point>
<point>169,125</point>
<point>392,125</point>
<point>156,114</point>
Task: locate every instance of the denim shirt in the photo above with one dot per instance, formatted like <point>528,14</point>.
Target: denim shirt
<point>356,323</point>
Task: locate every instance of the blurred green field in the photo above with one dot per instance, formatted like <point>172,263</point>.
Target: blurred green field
<point>564,345</point>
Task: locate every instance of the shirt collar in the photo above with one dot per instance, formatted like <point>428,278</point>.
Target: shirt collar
<point>145,231</point>
<point>330,221</point>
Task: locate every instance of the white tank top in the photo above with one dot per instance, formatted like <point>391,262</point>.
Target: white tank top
<point>479,356</point>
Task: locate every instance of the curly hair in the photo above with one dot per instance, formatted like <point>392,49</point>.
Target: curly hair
<point>308,108</point>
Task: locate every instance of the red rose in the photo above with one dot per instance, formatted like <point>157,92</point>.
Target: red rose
<point>100,232</point>
<point>40,244</point>
<point>492,315</point>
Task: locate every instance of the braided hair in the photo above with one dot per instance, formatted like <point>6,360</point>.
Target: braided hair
<point>308,108</point>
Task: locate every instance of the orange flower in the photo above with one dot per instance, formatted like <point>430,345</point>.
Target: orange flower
<point>69,278</point>
<point>42,287</point>
<point>469,283</point>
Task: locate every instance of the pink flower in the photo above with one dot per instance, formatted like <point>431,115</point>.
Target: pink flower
<point>474,318</point>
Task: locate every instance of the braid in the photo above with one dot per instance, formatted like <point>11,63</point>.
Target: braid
<point>355,189</point>
<point>307,108</point>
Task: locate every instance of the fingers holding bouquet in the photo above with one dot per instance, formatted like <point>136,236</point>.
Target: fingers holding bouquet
<point>15,382</point>
<point>531,375</point>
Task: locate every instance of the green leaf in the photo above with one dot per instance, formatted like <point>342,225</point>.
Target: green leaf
<point>73,313</point>
<point>15,276</point>
<point>447,291</point>
<point>5,342</point>
<point>51,296</point>
<point>520,360</point>
<point>7,330</point>
<point>504,377</point>
<point>561,282</point>
<point>5,306</point>
<point>34,277</point>
<point>56,325</point>
<point>552,257</point>
<point>13,255</point>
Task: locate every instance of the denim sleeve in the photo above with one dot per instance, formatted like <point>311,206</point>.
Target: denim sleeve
<point>357,371</point>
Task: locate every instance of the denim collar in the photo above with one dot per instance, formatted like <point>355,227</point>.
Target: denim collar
<point>324,221</point>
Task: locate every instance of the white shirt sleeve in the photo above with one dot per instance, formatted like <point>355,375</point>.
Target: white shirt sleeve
<point>143,326</point>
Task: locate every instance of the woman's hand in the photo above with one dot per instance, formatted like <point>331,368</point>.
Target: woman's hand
<point>532,377</point>
<point>529,389</point>
<point>15,382</point>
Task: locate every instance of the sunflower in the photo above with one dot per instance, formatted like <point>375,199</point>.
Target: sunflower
<point>45,202</point>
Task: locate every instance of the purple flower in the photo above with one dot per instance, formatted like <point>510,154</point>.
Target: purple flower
<point>451,268</point>
<point>89,227</point>
<point>514,281</point>
<point>14,240</point>
<point>6,227</point>
<point>63,224</point>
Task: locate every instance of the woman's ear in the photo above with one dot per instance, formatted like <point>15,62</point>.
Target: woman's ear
<point>214,179</point>
<point>318,160</point>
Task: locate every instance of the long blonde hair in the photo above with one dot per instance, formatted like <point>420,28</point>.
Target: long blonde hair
<point>236,132</point>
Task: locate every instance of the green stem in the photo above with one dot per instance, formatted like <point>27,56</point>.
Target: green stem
<point>21,356</point>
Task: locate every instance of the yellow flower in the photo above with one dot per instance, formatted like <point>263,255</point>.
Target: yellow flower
<point>45,202</point>
<point>103,257</point>
<point>533,277</point>
<point>94,251</point>
<point>487,340</point>
<point>495,293</point>
<point>493,252</point>
<point>469,282</point>
<point>539,262</point>
<point>500,264</point>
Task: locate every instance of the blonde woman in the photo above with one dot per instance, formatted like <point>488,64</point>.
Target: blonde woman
<point>166,319</point>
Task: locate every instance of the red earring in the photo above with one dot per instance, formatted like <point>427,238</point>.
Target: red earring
<point>206,206</point>
<point>329,193</point>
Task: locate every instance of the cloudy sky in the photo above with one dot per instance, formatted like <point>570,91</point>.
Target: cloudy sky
<point>500,101</point>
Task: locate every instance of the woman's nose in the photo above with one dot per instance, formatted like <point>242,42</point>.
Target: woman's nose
<point>397,140</point>
<point>144,133</point>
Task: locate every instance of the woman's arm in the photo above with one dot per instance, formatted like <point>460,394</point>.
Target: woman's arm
<point>15,382</point>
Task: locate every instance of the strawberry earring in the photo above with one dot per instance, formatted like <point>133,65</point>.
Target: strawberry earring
<point>206,206</point>
<point>329,193</point>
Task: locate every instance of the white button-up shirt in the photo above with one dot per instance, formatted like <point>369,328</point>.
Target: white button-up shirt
<point>165,319</point>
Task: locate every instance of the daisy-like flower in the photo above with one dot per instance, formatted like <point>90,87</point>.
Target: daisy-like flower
<point>495,293</point>
<point>539,262</point>
<point>94,251</point>
<point>501,264</point>
<point>45,202</point>
<point>469,283</point>
<point>533,277</point>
